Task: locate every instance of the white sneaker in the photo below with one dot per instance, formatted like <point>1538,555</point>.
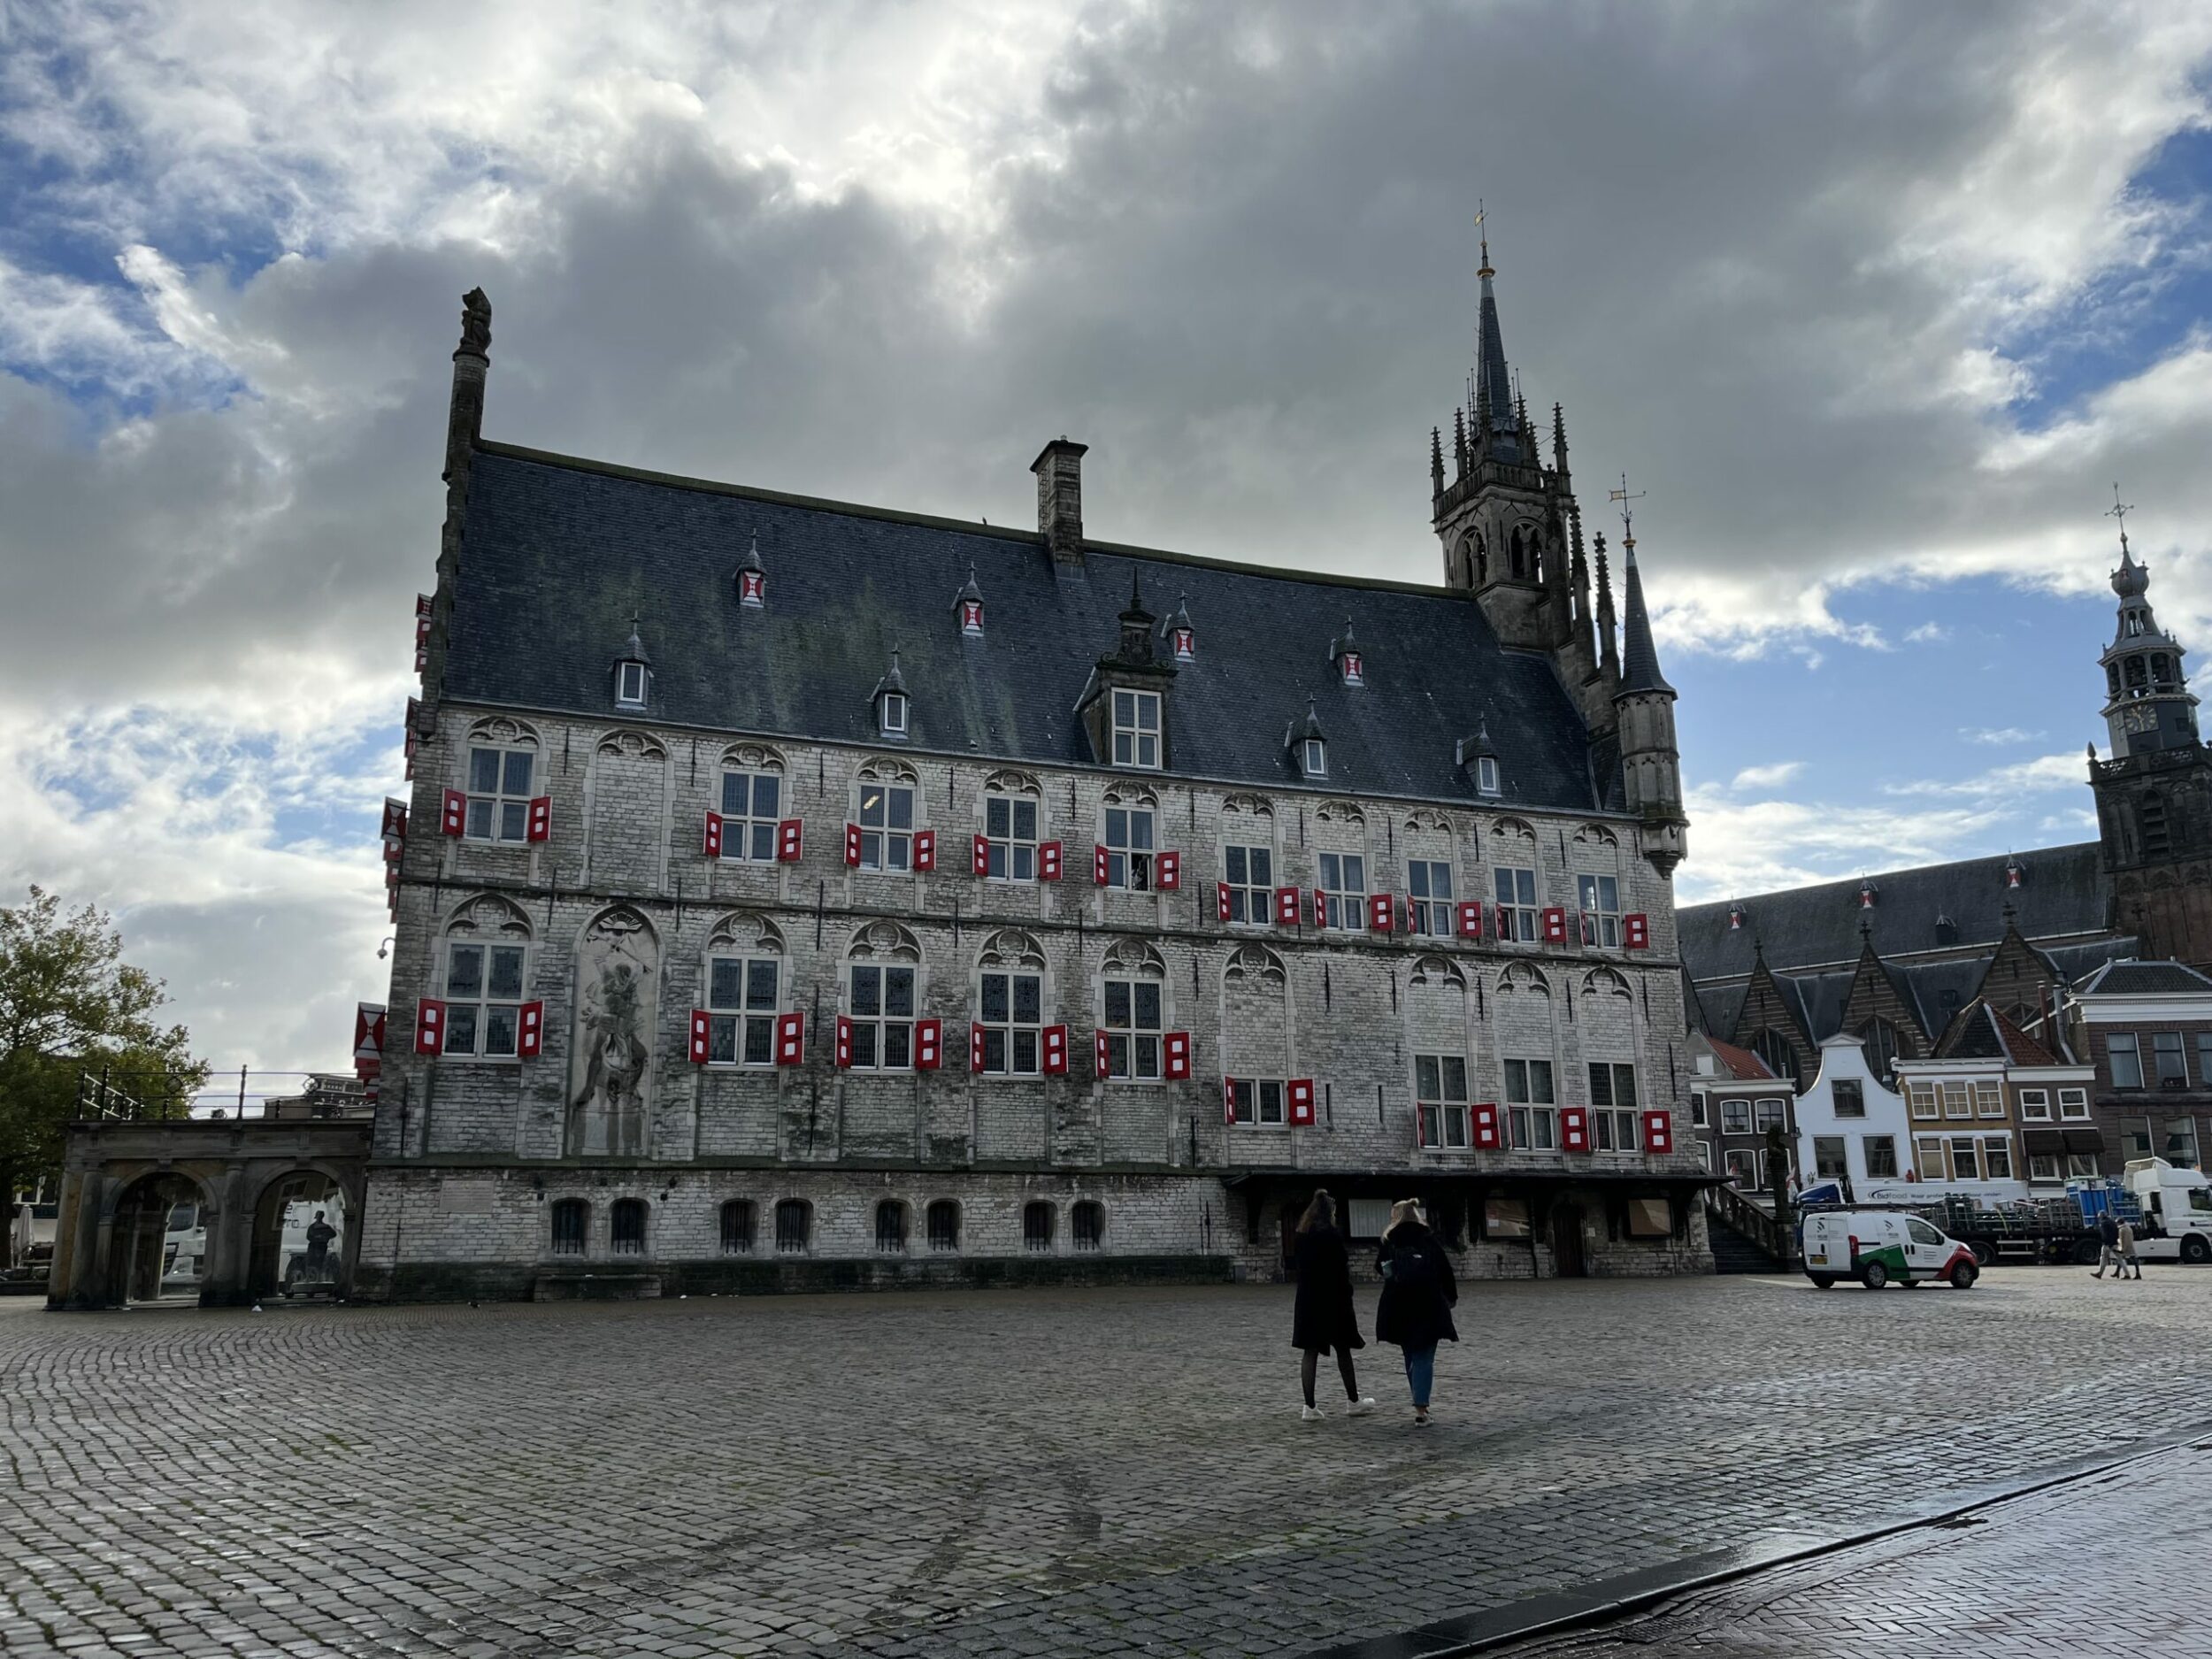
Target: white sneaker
<point>1360,1407</point>
<point>1309,1414</point>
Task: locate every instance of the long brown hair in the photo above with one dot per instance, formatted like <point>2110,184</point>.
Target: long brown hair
<point>1320,1212</point>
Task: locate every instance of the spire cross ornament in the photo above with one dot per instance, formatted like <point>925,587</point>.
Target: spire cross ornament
<point>2120,510</point>
<point>1621,496</point>
<point>1483,237</point>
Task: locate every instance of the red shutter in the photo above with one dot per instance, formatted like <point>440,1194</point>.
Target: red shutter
<point>790,840</point>
<point>1470,919</point>
<point>1574,1128</point>
<point>1228,1099</point>
<point>980,857</point>
<point>1301,1092</point>
<point>1098,865</point>
<point>1379,909</point>
<point>1320,907</point>
<point>1556,925</point>
<point>1101,1055</point>
<point>530,1030</point>
<point>395,820</point>
<point>539,826</point>
<point>924,850</point>
<point>712,843</point>
<point>1285,907</point>
<point>1221,901</point>
<point>453,813</point>
<point>1658,1133</point>
<point>1636,932</point>
<point>852,846</point>
<point>1167,873</point>
<point>844,1042</point>
<point>700,1026</point>
<point>975,1047</point>
<point>1177,1047</point>
<point>790,1038</point>
<point>1055,1051</point>
<point>929,1044</point>
<point>1048,861</point>
<point>429,1026</point>
<point>1487,1132</point>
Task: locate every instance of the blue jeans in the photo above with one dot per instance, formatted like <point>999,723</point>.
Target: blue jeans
<point>1420,1373</point>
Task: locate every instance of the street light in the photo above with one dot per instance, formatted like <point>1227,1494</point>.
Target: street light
<point>384,949</point>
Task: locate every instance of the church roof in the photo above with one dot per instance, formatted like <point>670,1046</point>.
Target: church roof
<point>559,553</point>
<point>1980,1032</point>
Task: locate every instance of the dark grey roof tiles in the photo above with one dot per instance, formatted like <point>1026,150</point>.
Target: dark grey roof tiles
<point>558,552</point>
<point>2143,978</point>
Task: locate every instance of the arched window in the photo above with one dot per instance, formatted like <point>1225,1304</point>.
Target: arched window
<point>944,1226</point>
<point>626,1227</point>
<point>744,979</point>
<point>1037,1226</point>
<point>1773,1048</point>
<point>1086,1225</point>
<point>486,948</point>
<point>501,781</point>
<point>794,1225</point>
<point>1013,819</point>
<point>883,994</point>
<point>1134,1011</point>
<point>1010,1008</point>
<point>1884,1044</point>
<point>572,1224</point>
<point>740,1222</point>
<point>891,1227</point>
<point>753,802</point>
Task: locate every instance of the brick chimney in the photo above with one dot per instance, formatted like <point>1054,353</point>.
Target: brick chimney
<point>1059,470</point>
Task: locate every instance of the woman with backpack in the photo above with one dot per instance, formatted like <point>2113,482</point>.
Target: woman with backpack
<point>1323,1320</point>
<point>1419,1294</point>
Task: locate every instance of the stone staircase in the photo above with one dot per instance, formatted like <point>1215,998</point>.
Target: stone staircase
<point>1745,1239</point>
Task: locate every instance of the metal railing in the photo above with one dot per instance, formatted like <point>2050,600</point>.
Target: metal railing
<point>1777,1237</point>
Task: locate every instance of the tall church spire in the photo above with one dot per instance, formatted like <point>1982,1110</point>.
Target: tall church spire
<point>1639,661</point>
<point>1493,408</point>
<point>2148,706</point>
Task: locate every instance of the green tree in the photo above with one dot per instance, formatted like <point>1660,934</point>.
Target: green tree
<point>70,1006</point>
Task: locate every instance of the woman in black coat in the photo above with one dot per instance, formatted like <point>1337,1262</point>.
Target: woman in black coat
<point>1418,1295</point>
<point>1324,1320</point>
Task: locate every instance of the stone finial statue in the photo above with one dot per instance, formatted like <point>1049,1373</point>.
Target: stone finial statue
<point>476,323</point>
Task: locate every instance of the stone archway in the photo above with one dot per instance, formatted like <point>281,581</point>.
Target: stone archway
<point>289,1253</point>
<point>158,1239</point>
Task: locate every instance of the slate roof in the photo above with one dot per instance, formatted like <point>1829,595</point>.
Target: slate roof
<point>2142,979</point>
<point>2061,894</point>
<point>1980,1032</point>
<point>1640,658</point>
<point>559,553</point>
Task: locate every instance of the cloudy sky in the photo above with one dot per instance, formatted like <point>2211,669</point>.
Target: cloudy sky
<point>1875,301</point>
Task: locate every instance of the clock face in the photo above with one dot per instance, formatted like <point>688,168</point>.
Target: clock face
<point>2141,717</point>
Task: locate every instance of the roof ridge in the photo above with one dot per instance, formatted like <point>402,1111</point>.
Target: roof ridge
<point>1879,876</point>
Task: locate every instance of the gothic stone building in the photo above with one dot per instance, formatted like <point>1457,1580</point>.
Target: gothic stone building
<point>800,894</point>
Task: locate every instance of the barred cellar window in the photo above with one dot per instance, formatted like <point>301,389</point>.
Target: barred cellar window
<point>891,1227</point>
<point>626,1227</point>
<point>794,1221</point>
<point>1087,1225</point>
<point>1036,1226</point>
<point>572,1222</point>
<point>739,1224</point>
<point>944,1226</point>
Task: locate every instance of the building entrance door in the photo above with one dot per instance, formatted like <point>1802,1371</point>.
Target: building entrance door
<point>1566,1242</point>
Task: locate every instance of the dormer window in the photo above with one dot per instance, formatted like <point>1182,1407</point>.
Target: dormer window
<point>1486,774</point>
<point>893,707</point>
<point>1735,918</point>
<point>1137,729</point>
<point>629,686</point>
<point>2014,874</point>
<point>1345,653</point>
<point>1182,639</point>
<point>752,581</point>
<point>1348,662</point>
<point>1314,757</point>
<point>892,717</point>
<point>1867,893</point>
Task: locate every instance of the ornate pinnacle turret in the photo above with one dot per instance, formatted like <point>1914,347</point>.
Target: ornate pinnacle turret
<point>1578,570</point>
<point>1609,657</point>
<point>1459,439</point>
<point>1436,462</point>
<point>1559,441</point>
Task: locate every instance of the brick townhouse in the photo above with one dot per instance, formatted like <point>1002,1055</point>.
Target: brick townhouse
<point>2146,1027</point>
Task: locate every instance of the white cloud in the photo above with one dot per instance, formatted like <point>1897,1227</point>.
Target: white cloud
<point>1998,736</point>
<point>1768,777</point>
<point>2004,783</point>
<point>1928,634</point>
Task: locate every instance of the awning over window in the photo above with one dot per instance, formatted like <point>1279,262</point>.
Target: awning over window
<point>2043,1142</point>
<point>2085,1140</point>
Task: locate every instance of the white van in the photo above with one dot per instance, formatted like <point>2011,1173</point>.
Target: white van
<point>2177,1211</point>
<point>1878,1246</point>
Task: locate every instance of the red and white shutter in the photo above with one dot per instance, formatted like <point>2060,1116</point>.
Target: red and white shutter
<point>529,1031</point>
<point>844,1052</point>
<point>1055,1051</point>
<point>1048,861</point>
<point>1228,1099</point>
<point>929,1044</point>
<point>700,1027</point>
<point>975,1047</point>
<point>539,827</point>
<point>1487,1135</point>
<point>1320,907</point>
<point>1221,901</point>
<point>1379,913</point>
<point>1167,873</point>
<point>1470,919</point>
<point>924,850</point>
<point>752,587</point>
<point>711,843</point>
<point>790,840</point>
<point>1636,932</point>
<point>1176,1047</point>
<point>852,846</point>
<point>1658,1131</point>
<point>395,820</point>
<point>1102,1055</point>
<point>980,855</point>
<point>453,813</point>
<point>1098,865</point>
<point>1574,1128</point>
<point>1300,1090</point>
<point>429,1026</point>
<point>1556,925</point>
<point>1285,907</point>
<point>790,1038</point>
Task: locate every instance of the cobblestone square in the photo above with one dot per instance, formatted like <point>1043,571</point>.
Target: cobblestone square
<point>1099,1472</point>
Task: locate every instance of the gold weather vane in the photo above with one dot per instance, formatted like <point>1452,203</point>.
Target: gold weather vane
<point>2120,510</point>
<point>1484,236</point>
<point>1628,526</point>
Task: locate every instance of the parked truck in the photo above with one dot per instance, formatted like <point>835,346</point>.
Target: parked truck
<point>2170,1207</point>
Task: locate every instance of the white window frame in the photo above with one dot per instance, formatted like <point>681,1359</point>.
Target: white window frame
<point>1314,757</point>
<point>1857,1091</point>
<point>1441,1121</point>
<point>1531,1111</point>
<point>884,1029</point>
<point>2044,1166</point>
<point>1962,1149</point>
<point>1013,1033</point>
<point>1606,1078</point>
<point>1866,1153</point>
<point>1433,913</point>
<point>1926,1101</point>
<point>1701,1112</point>
<point>1601,920</point>
<point>1767,1112</point>
<point>2035,1106</point>
<point>1251,897</point>
<point>1131,855</point>
<point>1486,775</point>
<point>1342,880</point>
<point>1742,1164</point>
<point>1735,1116</point>
<point>1134,1044</point>
<point>891,844</point>
<point>632,685</point>
<point>1135,743</point>
<point>2178,1049</point>
<point>1259,1103</point>
<point>749,836</point>
<point>474,1014</point>
<point>500,808</point>
<point>1012,856</point>
<point>1929,1162</point>
<point>1994,1149</point>
<point>2124,1042</point>
<point>1613,1129</point>
<point>1842,1158</point>
<point>2082,1166</point>
<point>1989,1099</point>
<point>1519,907</point>
<point>891,713</point>
<point>731,1026</point>
<point>1958,1101</point>
<point>2073,1105</point>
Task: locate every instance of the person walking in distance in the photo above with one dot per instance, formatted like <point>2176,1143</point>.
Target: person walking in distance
<point>2125,1244</point>
<point>1323,1321</point>
<point>2107,1244</point>
<point>1417,1296</point>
